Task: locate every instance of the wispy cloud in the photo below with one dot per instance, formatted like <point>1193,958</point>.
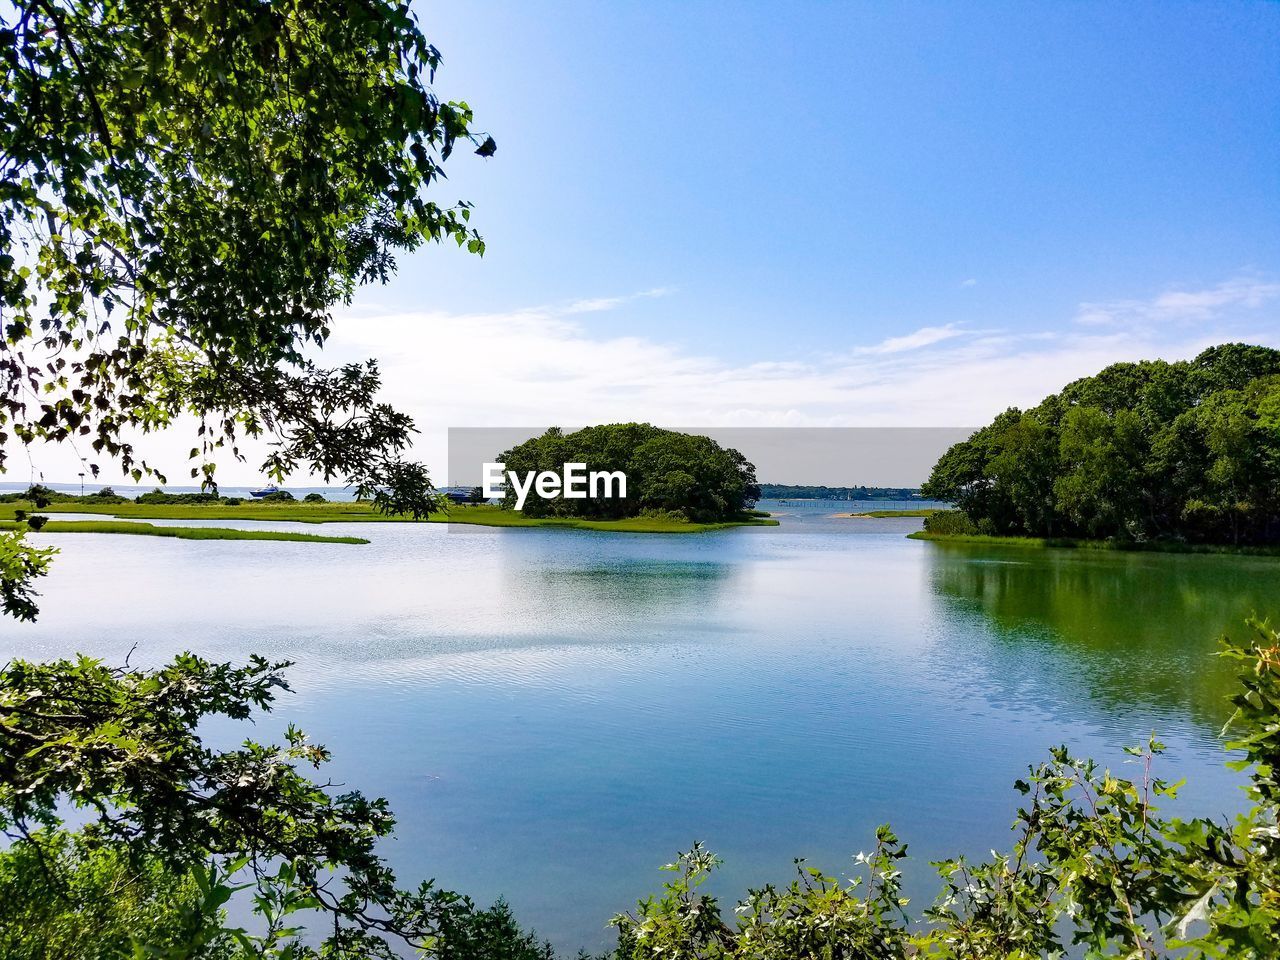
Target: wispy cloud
<point>924,337</point>
<point>970,282</point>
<point>1178,306</point>
<point>598,304</point>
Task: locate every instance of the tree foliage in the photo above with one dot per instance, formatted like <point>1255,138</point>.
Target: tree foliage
<point>187,191</point>
<point>1141,451</point>
<point>124,748</point>
<point>20,565</point>
<point>63,896</point>
<point>668,472</point>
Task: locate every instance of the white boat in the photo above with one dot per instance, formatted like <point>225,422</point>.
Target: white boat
<point>265,491</point>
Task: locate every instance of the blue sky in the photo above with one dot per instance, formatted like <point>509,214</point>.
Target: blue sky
<point>816,174</point>
<point>830,213</point>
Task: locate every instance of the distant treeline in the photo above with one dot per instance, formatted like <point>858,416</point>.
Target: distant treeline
<point>1185,451</point>
<point>42,496</point>
<point>668,473</point>
<point>789,491</point>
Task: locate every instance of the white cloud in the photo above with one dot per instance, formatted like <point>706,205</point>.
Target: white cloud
<point>543,366</point>
<point>971,282</point>
<point>924,337</point>
<point>1181,306</point>
<point>597,304</point>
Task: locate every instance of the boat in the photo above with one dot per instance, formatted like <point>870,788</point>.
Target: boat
<point>265,491</point>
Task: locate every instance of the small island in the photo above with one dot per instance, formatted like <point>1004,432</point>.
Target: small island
<point>677,483</point>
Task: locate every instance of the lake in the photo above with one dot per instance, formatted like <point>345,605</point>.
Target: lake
<point>554,713</point>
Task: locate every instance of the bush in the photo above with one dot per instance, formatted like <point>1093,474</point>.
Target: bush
<point>314,498</point>
<point>280,496</point>
<point>105,495</point>
<point>949,522</point>
<point>160,497</point>
<point>63,897</point>
<point>232,501</point>
<point>38,494</point>
<point>653,513</point>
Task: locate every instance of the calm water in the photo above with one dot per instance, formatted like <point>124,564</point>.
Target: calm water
<point>555,713</point>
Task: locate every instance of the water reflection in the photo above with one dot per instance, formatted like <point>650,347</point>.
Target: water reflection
<point>1121,629</point>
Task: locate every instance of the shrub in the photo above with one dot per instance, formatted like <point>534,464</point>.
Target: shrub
<point>105,495</point>
<point>232,501</point>
<point>654,513</point>
<point>38,494</point>
<point>63,897</point>
<point>280,496</point>
<point>160,497</point>
<point>314,498</point>
<point>949,521</point>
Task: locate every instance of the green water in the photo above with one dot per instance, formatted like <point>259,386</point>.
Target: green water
<point>1125,628</point>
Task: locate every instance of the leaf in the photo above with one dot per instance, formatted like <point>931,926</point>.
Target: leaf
<point>1199,911</point>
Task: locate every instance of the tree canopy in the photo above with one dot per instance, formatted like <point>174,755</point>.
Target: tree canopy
<point>1187,450</point>
<point>666,471</point>
<point>187,192</point>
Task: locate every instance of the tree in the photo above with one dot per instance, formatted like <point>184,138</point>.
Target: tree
<point>1100,484</point>
<point>125,748</point>
<point>1187,450</point>
<point>187,191</point>
<point>666,471</point>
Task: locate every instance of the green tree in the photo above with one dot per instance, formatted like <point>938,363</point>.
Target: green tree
<point>1187,451</point>
<point>63,896</point>
<point>124,748</point>
<point>666,471</point>
<point>1023,470</point>
<point>187,191</point>
<point>1101,472</point>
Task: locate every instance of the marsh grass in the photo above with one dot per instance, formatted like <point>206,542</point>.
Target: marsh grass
<point>134,528</point>
<point>356,512</point>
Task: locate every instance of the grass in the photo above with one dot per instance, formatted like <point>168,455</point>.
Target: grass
<point>491,516</point>
<point>878,514</point>
<point>357,512</point>
<point>182,533</point>
<point>1072,543</point>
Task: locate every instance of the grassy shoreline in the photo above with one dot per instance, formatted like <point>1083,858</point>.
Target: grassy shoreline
<point>134,528</point>
<point>358,512</point>
<point>1071,543</point>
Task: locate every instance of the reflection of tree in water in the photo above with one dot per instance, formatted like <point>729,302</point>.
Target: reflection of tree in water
<point>1126,628</point>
